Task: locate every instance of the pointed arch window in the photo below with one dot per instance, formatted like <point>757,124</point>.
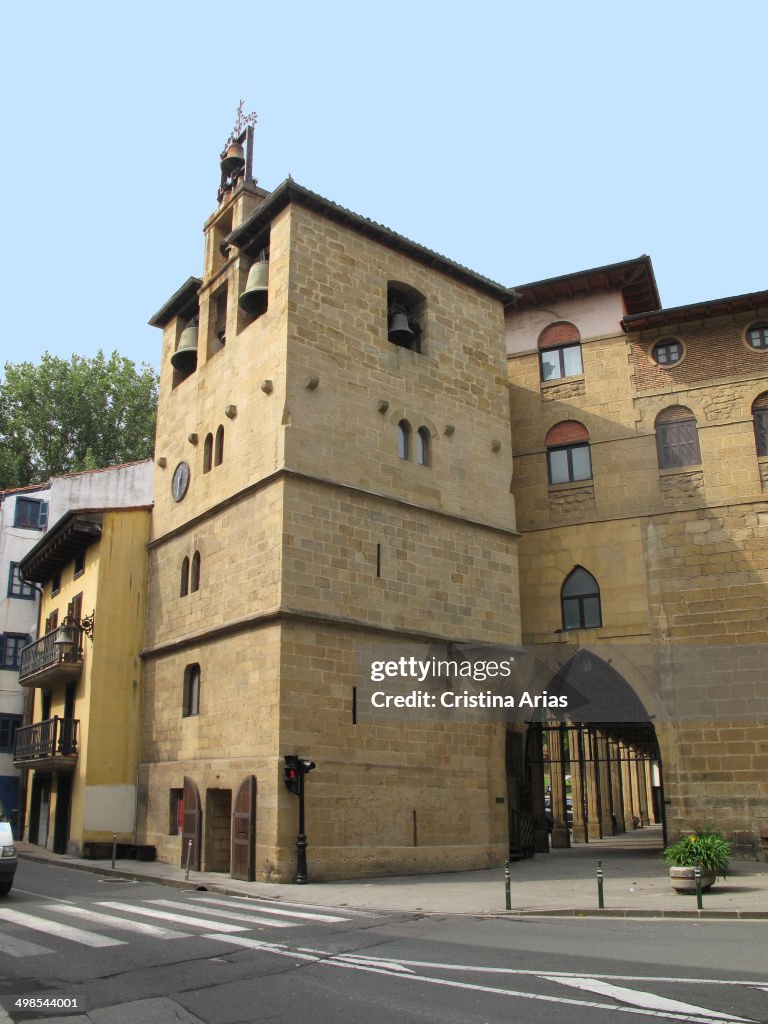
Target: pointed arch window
<point>677,439</point>
<point>218,453</point>
<point>207,453</point>
<point>194,576</point>
<point>404,439</point>
<point>184,582</point>
<point>580,601</point>
<point>560,351</point>
<point>423,446</point>
<point>760,421</point>
<point>568,455</point>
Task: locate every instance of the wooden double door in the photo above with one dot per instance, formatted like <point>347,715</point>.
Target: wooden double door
<point>243,832</point>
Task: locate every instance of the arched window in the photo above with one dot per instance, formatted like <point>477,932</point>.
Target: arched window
<point>184,584</point>
<point>194,577</point>
<point>580,600</point>
<point>560,351</point>
<point>191,699</point>
<point>760,421</point>
<point>677,440</point>
<point>218,454</point>
<point>207,453</point>
<point>422,446</point>
<point>404,439</point>
<point>568,456</point>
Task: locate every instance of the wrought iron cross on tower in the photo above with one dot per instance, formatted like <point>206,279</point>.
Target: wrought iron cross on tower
<point>237,155</point>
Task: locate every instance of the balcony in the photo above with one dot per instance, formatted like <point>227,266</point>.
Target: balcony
<point>48,744</point>
<point>46,661</point>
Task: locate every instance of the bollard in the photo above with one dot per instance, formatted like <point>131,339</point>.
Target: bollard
<point>697,879</point>
<point>189,858</point>
<point>600,899</point>
<point>114,849</point>
<point>507,890</point>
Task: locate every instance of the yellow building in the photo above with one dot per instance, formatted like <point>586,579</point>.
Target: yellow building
<point>333,466</point>
<point>84,674</point>
<point>641,471</point>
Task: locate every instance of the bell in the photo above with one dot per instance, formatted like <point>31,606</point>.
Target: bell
<point>184,358</point>
<point>400,332</point>
<point>234,159</point>
<point>254,298</point>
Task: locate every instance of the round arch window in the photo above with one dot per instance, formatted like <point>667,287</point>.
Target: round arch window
<point>667,352</point>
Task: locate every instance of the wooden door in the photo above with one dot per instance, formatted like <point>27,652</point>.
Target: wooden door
<point>244,831</point>
<point>193,822</point>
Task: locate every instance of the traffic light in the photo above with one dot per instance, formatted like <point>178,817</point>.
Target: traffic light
<point>292,773</point>
<point>295,769</point>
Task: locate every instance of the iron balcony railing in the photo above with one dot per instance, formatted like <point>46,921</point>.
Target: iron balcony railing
<point>52,738</point>
<point>45,653</point>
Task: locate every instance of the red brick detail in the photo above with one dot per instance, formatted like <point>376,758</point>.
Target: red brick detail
<point>560,333</point>
<point>567,432</point>
<point>710,353</point>
<point>674,414</point>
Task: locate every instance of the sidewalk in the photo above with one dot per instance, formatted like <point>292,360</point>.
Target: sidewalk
<point>562,883</point>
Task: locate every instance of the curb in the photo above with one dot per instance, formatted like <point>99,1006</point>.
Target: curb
<point>509,915</point>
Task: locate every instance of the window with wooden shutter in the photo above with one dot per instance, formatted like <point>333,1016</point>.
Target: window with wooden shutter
<point>760,421</point>
<point>677,439</point>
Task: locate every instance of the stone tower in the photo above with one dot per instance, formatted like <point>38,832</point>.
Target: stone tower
<point>333,467</point>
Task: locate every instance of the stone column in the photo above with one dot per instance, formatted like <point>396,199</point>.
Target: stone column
<point>626,787</point>
<point>606,790</point>
<point>576,750</point>
<point>592,786</point>
<point>536,766</point>
<point>561,837</point>
<point>638,775</point>
<point>616,787</point>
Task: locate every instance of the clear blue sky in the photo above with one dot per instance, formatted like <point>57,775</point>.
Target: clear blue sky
<point>523,141</point>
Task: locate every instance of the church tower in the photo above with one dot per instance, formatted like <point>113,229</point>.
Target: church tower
<point>333,467</point>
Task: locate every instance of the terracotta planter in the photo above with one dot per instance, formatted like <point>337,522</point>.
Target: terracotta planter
<point>682,880</point>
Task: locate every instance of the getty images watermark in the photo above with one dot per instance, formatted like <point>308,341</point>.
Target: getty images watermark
<point>440,681</point>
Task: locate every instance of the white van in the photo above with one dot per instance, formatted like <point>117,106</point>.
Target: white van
<point>8,859</point>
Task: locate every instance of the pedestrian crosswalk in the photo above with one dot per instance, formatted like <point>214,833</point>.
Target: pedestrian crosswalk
<point>109,923</point>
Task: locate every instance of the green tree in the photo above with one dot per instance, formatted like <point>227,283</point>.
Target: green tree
<point>69,415</point>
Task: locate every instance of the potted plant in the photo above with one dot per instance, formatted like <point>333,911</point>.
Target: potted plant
<point>704,849</point>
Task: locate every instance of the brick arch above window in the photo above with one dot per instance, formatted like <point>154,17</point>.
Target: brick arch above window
<point>567,432</point>
<point>675,413</point>
<point>560,333</point>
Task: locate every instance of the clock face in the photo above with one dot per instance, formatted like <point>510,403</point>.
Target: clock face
<point>180,481</point>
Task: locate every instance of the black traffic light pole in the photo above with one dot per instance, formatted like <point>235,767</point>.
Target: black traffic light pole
<point>295,770</point>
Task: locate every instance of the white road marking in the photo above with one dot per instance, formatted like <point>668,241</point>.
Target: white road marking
<point>62,931</point>
<point>120,923</point>
<point>333,961</point>
<point>20,947</point>
<point>228,915</point>
<point>477,969</point>
<point>41,895</point>
<point>371,961</point>
<point>636,998</point>
<point>262,909</point>
<point>178,918</point>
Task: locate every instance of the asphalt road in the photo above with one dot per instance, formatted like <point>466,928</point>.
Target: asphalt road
<point>154,954</point>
